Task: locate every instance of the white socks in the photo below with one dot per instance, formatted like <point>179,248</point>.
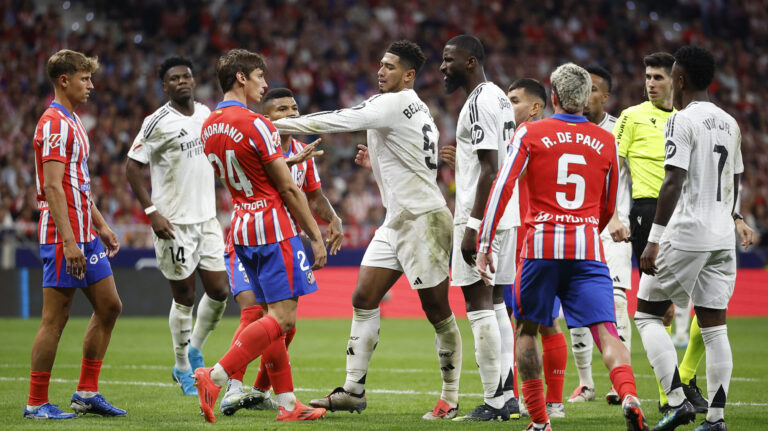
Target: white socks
<point>507,358</point>
<point>180,322</point>
<point>363,337</point>
<point>581,346</point>
<point>719,368</point>
<point>485,329</point>
<point>219,375</point>
<point>209,313</point>
<point>682,322</point>
<point>448,345</point>
<point>661,354</point>
<point>286,400</point>
<point>623,324</point>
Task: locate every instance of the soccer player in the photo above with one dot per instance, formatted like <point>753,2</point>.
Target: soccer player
<point>618,251</point>
<point>529,98</point>
<point>691,248</point>
<point>274,367</point>
<point>640,134</point>
<point>485,125</point>
<point>572,169</point>
<point>415,238</point>
<point>182,211</point>
<point>244,149</point>
<point>71,231</point>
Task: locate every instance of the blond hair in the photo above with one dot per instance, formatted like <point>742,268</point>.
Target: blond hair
<point>572,86</point>
<point>68,62</point>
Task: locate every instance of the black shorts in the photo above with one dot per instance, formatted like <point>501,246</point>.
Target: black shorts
<point>640,221</point>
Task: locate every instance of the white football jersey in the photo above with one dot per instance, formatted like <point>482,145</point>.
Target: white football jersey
<point>402,145</point>
<point>623,192</point>
<point>486,122</point>
<point>183,188</point>
<point>706,142</point>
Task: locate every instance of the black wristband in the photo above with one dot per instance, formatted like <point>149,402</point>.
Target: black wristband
<point>737,216</point>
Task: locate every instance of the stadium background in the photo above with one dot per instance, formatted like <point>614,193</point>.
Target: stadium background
<point>327,53</point>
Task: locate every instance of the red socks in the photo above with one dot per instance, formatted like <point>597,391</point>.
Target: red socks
<point>248,315</point>
<point>554,359</point>
<point>89,375</point>
<point>250,343</point>
<point>274,355</point>
<point>623,380</point>
<point>38,387</point>
<point>533,392</point>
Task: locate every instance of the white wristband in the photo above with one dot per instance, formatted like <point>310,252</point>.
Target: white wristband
<point>473,223</point>
<point>657,231</point>
<point>149,210</point>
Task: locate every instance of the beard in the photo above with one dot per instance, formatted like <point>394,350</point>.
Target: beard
<point>452,83</point>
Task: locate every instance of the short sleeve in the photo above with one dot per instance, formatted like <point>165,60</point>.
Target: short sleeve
<point>678,142</point>
<point>265,140</point>
<point>140,149</point>
<point>624,133</point>
<point>484,122</point>
<point>311,177</point>
<point>55,137</point>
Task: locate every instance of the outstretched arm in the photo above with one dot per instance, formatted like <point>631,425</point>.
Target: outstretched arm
<point>370,114</point>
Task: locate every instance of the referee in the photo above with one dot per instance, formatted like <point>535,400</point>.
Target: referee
<point>640,134</point>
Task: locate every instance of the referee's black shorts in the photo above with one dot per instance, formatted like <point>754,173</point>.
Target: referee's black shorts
<point>640,221</point>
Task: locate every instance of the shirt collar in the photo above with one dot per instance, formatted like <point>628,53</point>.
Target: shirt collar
<point>228,103</point>
<point>570,118</point>
<point>61,107</point>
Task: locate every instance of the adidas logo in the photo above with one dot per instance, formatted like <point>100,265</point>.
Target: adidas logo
<point>182,133</point>
<point>417,281</point>
<point>616,279</point>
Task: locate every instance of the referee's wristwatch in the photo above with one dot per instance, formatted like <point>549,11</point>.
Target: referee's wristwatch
<point>737,216</point>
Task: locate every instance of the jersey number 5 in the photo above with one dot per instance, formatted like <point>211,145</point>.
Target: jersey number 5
<point>564,178</point>
<point>429,146</point>
<point>234,173</point>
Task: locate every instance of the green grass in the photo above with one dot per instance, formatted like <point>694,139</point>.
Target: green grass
<point>137,377</point>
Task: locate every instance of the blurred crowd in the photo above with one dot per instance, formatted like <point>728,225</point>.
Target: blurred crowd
<point>327,52</point>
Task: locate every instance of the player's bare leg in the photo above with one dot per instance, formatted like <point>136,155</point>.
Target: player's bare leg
<point>106,308</point>
<point>372,284</point>
<point>529,365</point>
<point>56,304</point>
<point>434,302</point>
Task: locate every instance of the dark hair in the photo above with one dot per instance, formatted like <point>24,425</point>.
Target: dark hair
<point>276,93</point>
<point>660,59</point>
<point>531,87</point>
<point>699,65</point>
<point>411,56</point>
<point>68,62</point>
<point>172,62</point>
<point>237,60</point>
<point>469,44</point>
<point>601,72</point>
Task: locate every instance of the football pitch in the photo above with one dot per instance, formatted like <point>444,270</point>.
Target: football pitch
<point>403,382</point>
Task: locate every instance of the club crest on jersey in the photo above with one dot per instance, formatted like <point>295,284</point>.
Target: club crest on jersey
<point>310,277</point>
<point>542,217</point>
<point>53,140</point>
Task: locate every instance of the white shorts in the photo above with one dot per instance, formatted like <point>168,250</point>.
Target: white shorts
<point>618,257</point>
<point>418,246</point>
<point>195,245</point>
<point>503,250</point>
<point>705,277</point>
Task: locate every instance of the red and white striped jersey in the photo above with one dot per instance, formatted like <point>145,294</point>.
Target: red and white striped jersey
<point>572,170</point>
<point>304,174</point>
<point>61,137</point>
<point>238,143</point>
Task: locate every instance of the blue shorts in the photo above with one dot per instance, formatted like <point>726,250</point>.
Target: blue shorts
<point>55,266</point>
<point>584,287</point>
<point>238,279</point>
<point>509,301</point>
<point>277,271</point>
